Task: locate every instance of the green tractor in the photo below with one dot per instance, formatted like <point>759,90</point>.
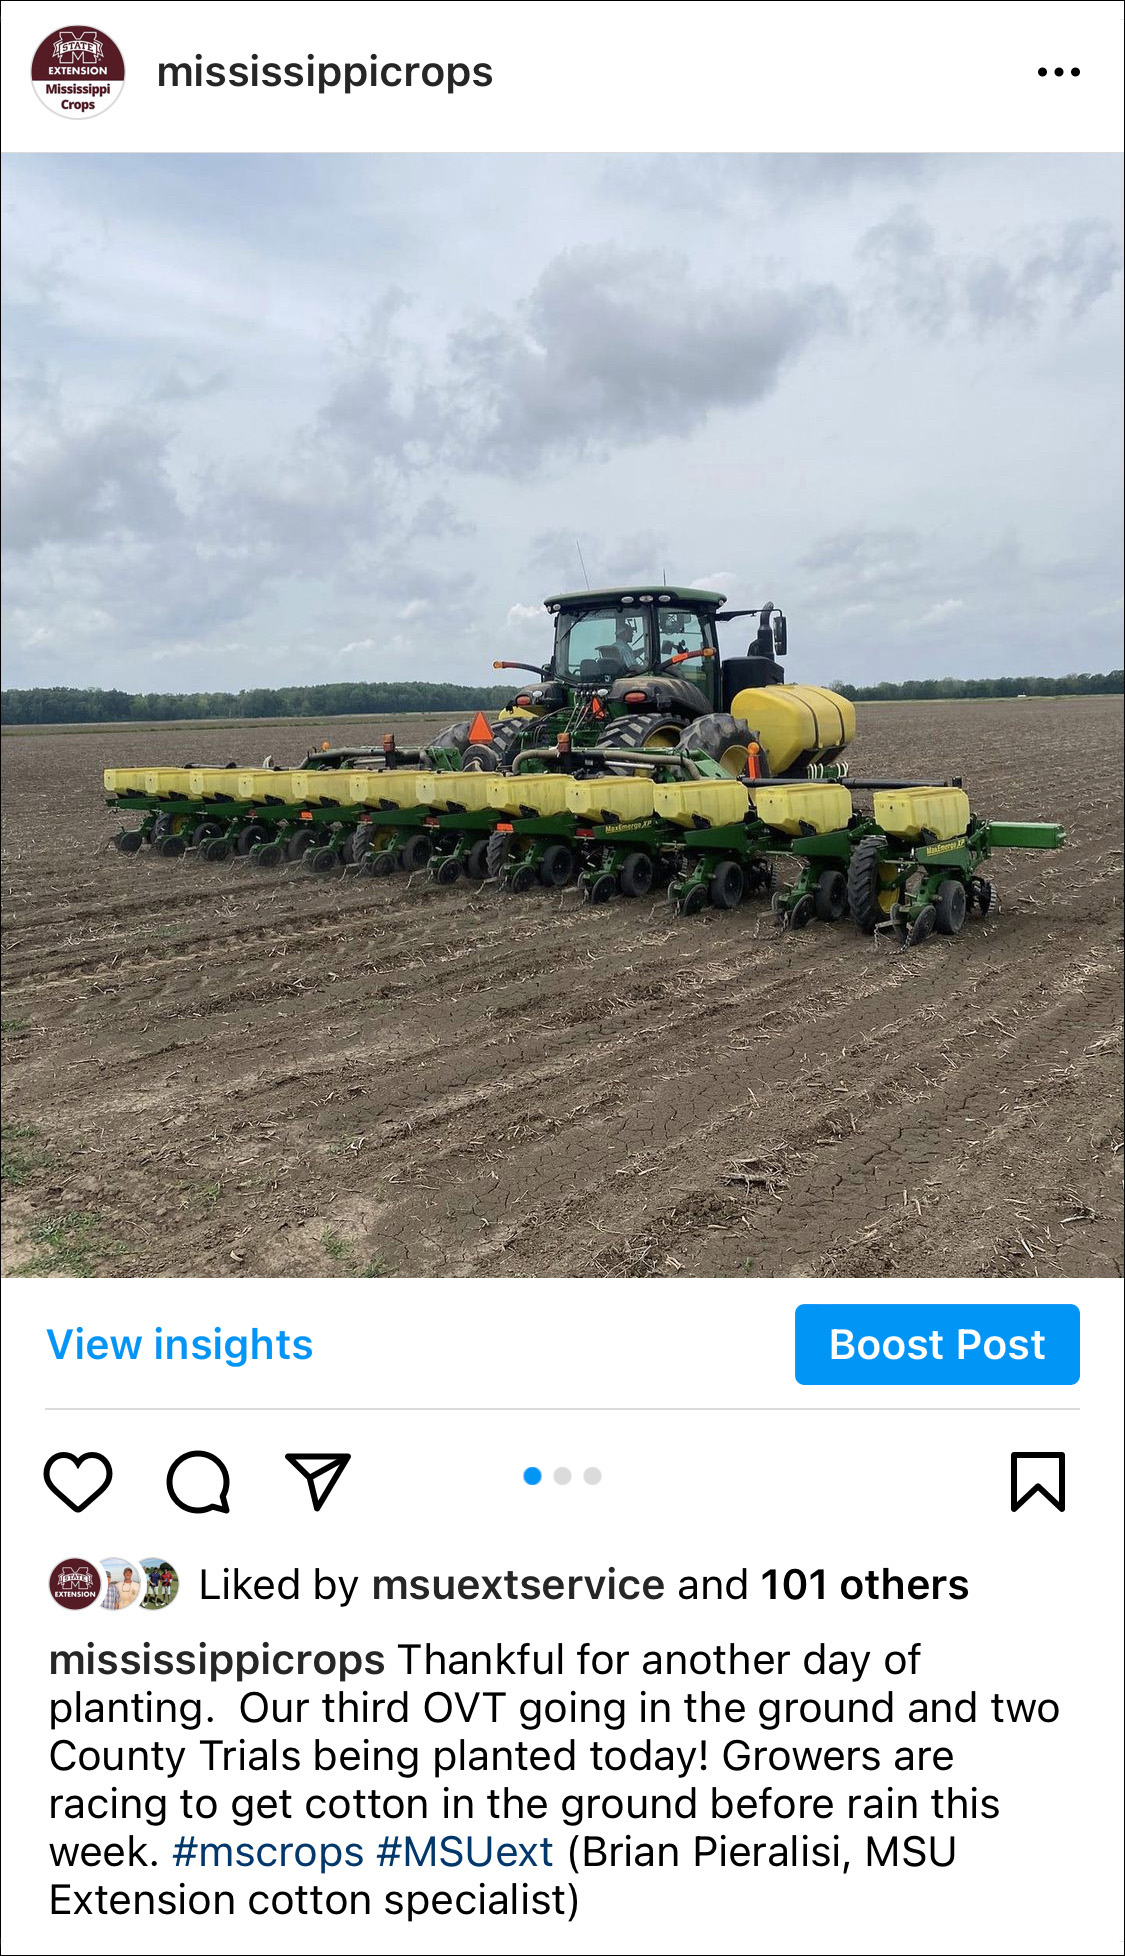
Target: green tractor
<point>634,670</point>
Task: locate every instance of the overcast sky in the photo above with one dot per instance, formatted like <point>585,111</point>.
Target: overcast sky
<point>294,418</point>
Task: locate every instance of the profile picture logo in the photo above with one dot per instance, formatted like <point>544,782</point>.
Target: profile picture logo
<point>75,1583</point>
<point>77,72</point>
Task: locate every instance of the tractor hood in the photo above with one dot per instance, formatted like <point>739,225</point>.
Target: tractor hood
<point>657,692</point>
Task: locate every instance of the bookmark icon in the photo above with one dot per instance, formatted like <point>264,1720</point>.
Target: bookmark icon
<point>1038,1473</point>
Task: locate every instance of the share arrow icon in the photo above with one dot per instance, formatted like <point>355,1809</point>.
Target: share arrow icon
<point>321,1471</point>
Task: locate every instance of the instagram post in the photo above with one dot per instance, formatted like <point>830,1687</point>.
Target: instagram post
<point>561,742</point>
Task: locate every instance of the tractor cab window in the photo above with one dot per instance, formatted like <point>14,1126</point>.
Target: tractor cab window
<point>689,632</point>
<point>599,646</point>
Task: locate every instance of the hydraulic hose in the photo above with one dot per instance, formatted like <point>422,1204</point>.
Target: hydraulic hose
<point>647,757</point>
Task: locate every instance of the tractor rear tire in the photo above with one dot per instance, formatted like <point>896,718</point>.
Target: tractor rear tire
<point>557,866</point>
<point>415,852</point>
<point>640,731</point>
<point>455,736</point>
<point>831,895</point>
<point>950,907</point>
<point>727,885</point>
<point>507,739</point>
<point>864,885</point>
<point>637,874</point>
<point>721,736</point>
<point>359,843</point>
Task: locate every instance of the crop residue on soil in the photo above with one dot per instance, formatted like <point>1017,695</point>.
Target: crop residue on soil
<point>211,1071</point>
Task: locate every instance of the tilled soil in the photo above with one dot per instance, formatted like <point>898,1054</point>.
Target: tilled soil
<point>213,1071</point>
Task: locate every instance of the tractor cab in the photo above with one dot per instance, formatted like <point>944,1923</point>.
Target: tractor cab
<point>658,644</point>
<point>619,654</point>
<point>609,640</point>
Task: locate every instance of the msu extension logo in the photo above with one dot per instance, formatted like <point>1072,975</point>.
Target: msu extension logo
<point>77,72</point>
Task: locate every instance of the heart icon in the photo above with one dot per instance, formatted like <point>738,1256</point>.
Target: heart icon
<point>78,1461</point>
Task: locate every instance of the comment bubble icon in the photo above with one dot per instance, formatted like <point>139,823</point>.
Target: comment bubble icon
<point>199,1483</point>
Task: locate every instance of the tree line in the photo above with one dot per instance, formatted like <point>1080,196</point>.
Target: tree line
<point>1032,687</point>
<point>57,705</point>
<point>53,705</point>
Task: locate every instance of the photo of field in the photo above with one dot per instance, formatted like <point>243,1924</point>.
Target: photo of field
<point>216,1071</point>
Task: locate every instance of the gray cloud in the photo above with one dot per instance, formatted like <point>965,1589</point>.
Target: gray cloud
<point>619,346</point>
<point>710,186</point>
<point>1069,268</point>
<point>893,419</point>
<point>438,519</point>
<point>172,386</point>
<point>608,561</point>
<point>612,346</point>
<point>106,480</point>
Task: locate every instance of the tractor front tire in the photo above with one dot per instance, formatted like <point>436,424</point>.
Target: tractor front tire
<point>722,737</point>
